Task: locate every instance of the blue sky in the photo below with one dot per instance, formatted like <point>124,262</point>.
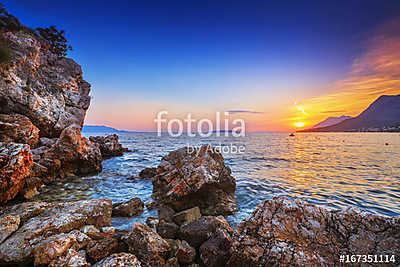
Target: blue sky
<point>202,56</point>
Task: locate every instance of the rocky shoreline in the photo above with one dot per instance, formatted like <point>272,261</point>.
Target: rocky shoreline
<point>43,105</point>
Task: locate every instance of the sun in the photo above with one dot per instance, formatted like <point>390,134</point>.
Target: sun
<point>299,124</point>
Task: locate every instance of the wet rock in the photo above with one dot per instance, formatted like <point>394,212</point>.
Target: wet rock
<point>25,210</point>
<point>45,220</point>
<point>200,230</point>
<point>17,128</point>
<point>148,173</point>
<point>119,235</point>
<point>167,229</point>
<point>187,216</point>
<point>290,232</point>
<point>71,259</point>
<point>109,145</point>
<point>89,230</point>
<point>38,84</point>
<point>99,249</point>
<point>215,251</point>
<point>130,208</point>
<point>186,179</point>
<point>8,225</point>
<point>147,245</point>
<point>151,205</point>
<point>15,163</point>
<point>57,245</point>
<point>120,259</point>
<point>185,253</point>
<point>172,262</point>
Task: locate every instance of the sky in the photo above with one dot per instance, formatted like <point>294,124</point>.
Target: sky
<point>271,64</point>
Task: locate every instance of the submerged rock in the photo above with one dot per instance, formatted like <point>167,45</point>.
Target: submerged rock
<point>43,221</point>
<point>186,179</point>
<point>18,129</point>
<point>148,173</point>
<point>292,233</point>
<point>15,163</point>
<point>130,208</point>
<point>109,145</point>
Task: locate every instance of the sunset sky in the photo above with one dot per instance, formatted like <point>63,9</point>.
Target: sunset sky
<point>273,64</point>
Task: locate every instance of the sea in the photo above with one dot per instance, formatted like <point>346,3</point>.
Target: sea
<point>331,170</point>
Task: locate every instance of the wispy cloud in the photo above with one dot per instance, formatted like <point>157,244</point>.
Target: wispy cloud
<point>376,72</point>
<point>236,111</point>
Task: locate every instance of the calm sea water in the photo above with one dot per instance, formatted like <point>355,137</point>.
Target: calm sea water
<point>332,170</point>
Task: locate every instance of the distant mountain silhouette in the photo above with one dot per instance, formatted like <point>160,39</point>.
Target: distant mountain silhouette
<point>331,121</point>
<point>383,112</point>
<point>100,129</point>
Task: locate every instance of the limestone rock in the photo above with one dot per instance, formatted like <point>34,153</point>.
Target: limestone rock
<point>71,259</point>
<point>187,216</point>
<point>120,259</point>
<point>15,163</point>
<point>185,253</point>
<point>99,249</point>
<point>17,128</point>
<point>130,208</point>
<point>147,245</point>
<point>109,145</point>
<point>49,90</point>
<point>216,251</point>
<point>186,179</point>
<point>167,229</point>
<point>48,220</point>
<point>8,225</point>
<point>292,233</point>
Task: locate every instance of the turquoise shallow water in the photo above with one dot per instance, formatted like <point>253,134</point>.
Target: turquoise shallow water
<point>333,170</point>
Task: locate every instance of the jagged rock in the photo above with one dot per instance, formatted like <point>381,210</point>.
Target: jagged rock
<point>148,173</point>
<point>215,251</point>
<point>71,259</point>
<point>57,245</point>
<point>99,249</point>
<point>49,90</point>
<point>186,179</point>
<point>17,128</point>
<point>151,205</point>
<point>172,262</point>
<point>89,230</point>
<point>119,235</point>
<point>167,229</point>
<point>15,163</point>
<point>185,253</point>
<point>187,216</point>
<point>152,222</point>
<point>292,233</point>
<point>165,213</point>
<point>120,259</point>
<point>109,145</point>
<point>47,142</point>
<point>46,220</point>
<point>24,210</point>
<point>130,208</point>
<point>147,245</point>
<point>8,225</point>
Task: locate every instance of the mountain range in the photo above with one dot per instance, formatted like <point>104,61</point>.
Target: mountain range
<point>101,129</point>
<point>382,115</point>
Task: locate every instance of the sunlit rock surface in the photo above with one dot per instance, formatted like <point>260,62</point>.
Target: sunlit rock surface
<point>186,179</point>
<point>292,233</point>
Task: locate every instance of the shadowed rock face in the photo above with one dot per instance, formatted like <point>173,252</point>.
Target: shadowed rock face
<point>109,145</point>
<point>15,163</point>
<point>50,91</point>
<point>186,179</point>
<point>289,232</point>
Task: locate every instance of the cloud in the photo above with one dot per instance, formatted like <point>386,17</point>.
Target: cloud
<point>374,73</point>
<point>244,111</point>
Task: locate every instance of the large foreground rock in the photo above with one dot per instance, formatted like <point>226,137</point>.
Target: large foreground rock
<point>292,233</point>
<point>15,163</point>
<point>43,224</point>
<point>186,179</point>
